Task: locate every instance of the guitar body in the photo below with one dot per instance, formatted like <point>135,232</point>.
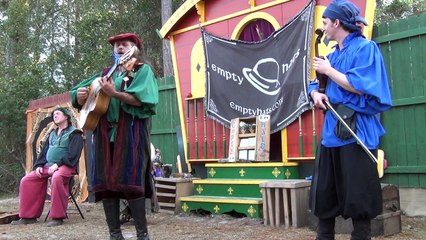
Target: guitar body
<point>97,102</point>
<point>95,107</point>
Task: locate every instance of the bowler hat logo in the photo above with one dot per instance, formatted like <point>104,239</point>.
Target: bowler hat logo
<point>264,76</point>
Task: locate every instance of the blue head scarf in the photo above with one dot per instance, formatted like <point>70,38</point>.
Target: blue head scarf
<point>346,12</point>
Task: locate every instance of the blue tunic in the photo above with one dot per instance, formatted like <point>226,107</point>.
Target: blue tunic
<point>362,63</point>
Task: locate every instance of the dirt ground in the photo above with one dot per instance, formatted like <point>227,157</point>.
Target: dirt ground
<point>167,226</point>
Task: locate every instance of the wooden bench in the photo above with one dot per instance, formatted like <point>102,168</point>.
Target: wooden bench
<point>285,202</point>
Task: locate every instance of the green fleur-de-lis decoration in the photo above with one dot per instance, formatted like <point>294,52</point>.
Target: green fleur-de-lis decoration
<point>230,190</point>
<point>251,210</point>
<point>216,209</point>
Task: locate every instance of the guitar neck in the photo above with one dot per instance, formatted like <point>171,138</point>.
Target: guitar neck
<point>111,70</point>
<point>121,60</point>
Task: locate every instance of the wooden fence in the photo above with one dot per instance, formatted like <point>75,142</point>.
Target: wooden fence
<point>403,45</point>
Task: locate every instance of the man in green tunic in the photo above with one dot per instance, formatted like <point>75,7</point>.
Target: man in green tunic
<point>120,144</point>
<point>58,161</point>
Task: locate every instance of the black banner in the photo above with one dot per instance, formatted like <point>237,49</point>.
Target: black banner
<point>267,77</point>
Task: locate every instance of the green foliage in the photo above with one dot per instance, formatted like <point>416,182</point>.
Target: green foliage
<point>396,9</point>
<point>19,83</point>
<point>48,46</point>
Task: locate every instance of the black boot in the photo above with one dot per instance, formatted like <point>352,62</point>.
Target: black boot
<point>112,215</point>
<point>137,207</point>
<point>362,229</point>
<point>325,229</point>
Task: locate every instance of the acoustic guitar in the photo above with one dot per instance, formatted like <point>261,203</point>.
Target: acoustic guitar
<point>97,102</point>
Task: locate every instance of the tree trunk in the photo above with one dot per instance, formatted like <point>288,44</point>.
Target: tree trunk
<point>166,12</point>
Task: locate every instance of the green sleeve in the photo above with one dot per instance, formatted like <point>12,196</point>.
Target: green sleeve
<point>144,87</point>
<point>84,83</point>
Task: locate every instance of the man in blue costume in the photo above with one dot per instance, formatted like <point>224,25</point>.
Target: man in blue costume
<point>346,180</point>
<point>120,163</point>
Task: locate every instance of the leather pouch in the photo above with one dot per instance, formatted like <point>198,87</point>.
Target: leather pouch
<point>349,116</point>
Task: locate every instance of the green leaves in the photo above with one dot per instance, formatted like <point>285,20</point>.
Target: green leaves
<point>48,46</point>
<point>396,9</point>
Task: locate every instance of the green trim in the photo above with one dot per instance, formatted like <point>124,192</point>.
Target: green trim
<point>252,172</point>
<point>267,164</point>
<point>222,200</point>
<point>196,127</point>
<point>224,147</point>
<point>401,35</point>
<point>205,132</point>
<point>406,169</point>
<point>188,153</point>
<point>229,181</point>
<point>314,144</point>
<point>167,87</point>
<point>409,101</point>
<point>163,131</point>
<point>233,190</point>
<point>205,149</point>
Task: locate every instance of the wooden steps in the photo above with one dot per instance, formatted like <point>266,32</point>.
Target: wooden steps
<point>235,187</point>
<point>267,170</point>
<point>228,187</point>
